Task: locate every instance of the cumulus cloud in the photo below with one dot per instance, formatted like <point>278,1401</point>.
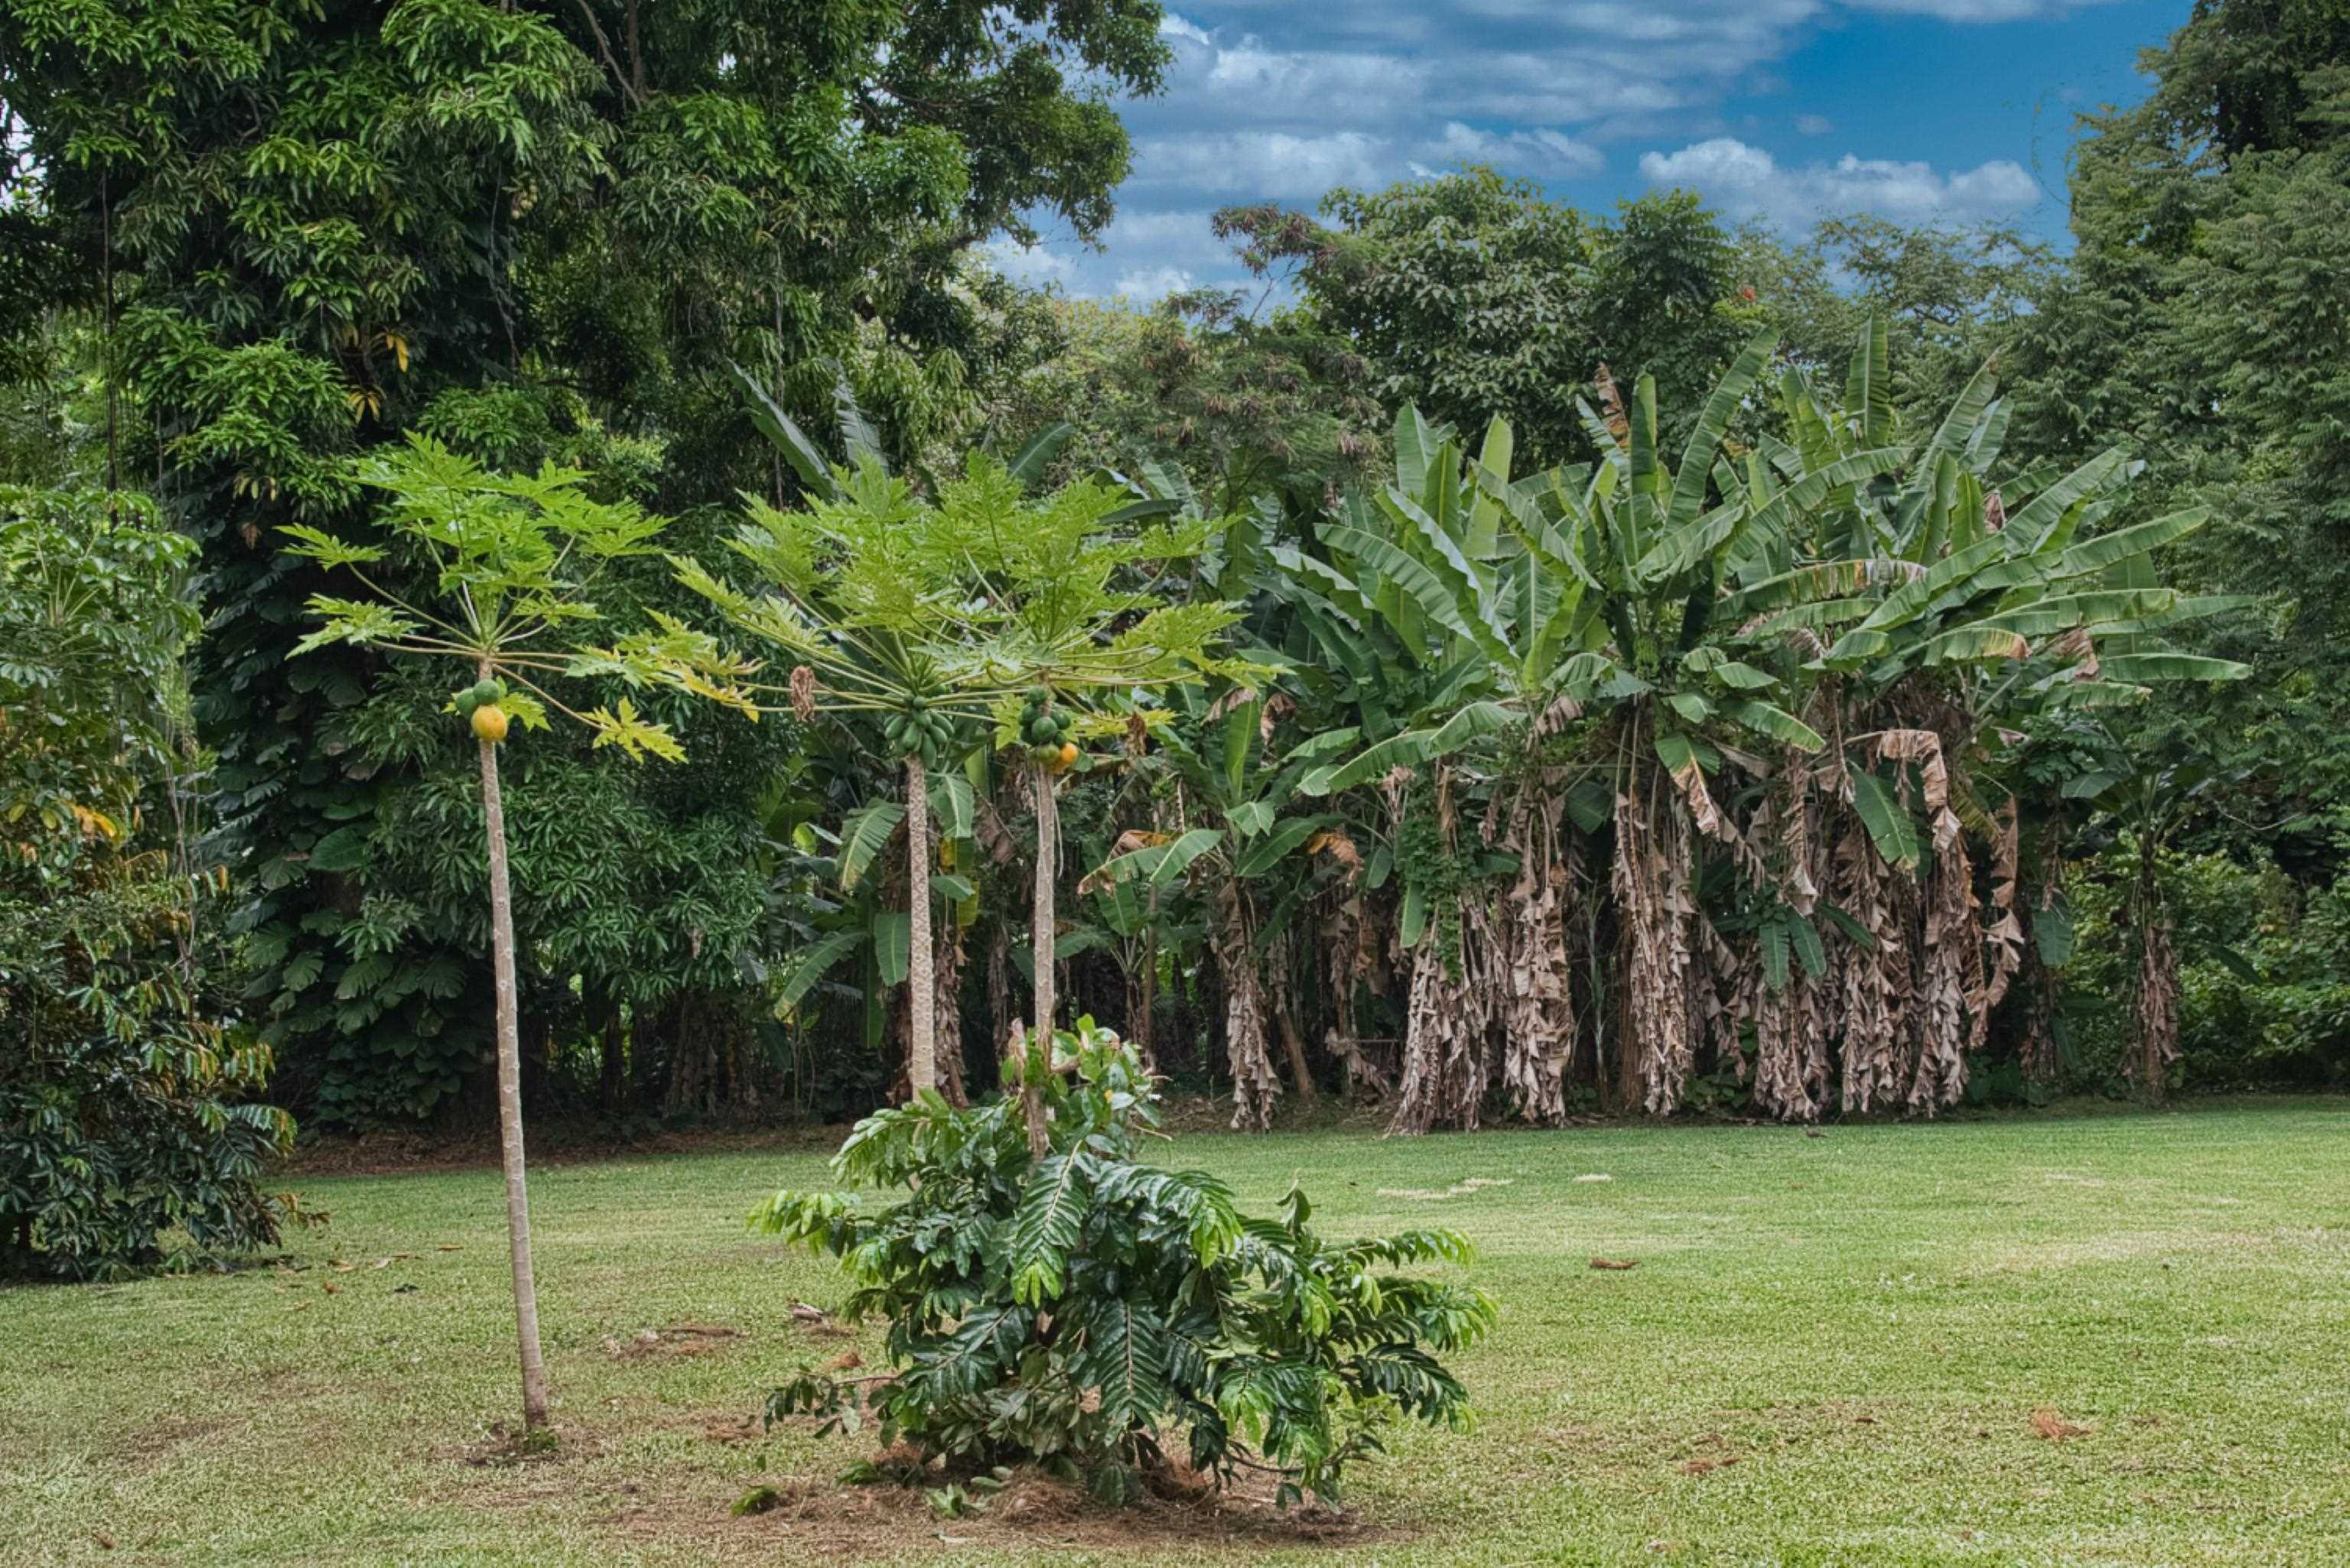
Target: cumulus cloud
<point>1966,11</point>
<point>1035,266</point>
<point>1252,165</point>
<point>1151,283</point>
<point>1748,181</point>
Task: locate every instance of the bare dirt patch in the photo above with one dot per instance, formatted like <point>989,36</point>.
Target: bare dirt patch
<point>678,1339</point>
<point>1034,1513</point>
<point>153,1445</point>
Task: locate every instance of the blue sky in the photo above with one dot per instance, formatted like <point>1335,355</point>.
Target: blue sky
<point>1781,111</point>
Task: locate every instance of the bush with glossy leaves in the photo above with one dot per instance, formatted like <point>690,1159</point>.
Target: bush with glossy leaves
<point>1080,1308</point>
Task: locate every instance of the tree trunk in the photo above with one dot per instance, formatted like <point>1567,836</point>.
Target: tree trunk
<point>1141,995</point>
<point>1282,992</point>
<point>922,1070</point>
<point>999,984</point>
<point>1301,1077</point>
<point>534,1370</point>
<point>1042,922</point>
<point>614,1076</point>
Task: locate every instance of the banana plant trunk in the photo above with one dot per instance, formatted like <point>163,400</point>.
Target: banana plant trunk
<point>501,944</point>
<point>922,1071</point>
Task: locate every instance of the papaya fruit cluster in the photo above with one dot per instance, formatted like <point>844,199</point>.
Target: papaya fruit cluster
<point>478,706</point>
<point>1050,739</point>
<point>918,727</point>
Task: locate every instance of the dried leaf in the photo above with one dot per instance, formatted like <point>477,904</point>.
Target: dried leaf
<point>2049,1426</point>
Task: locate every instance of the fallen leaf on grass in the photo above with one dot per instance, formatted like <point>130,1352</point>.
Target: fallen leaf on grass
<point>758,1500</point>
<point>2049,1426</point>
<point>449,1246</point>
<point>1615,1262</point>
<point>331,1288</point>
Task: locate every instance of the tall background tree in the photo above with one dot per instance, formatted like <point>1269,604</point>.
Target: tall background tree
<point>534,230</point>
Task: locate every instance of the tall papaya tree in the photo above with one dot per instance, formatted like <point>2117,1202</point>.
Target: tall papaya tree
<point>1086,623</point>
<point>866,597</point>
<point>931,615</point>
<point>510,562</point>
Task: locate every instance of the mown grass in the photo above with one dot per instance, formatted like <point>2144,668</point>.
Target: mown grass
<point>1831,1353</point>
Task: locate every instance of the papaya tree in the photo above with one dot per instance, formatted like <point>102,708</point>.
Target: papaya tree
<point>491,574</point>
<point>866,599</point>
<point>1077,582</point>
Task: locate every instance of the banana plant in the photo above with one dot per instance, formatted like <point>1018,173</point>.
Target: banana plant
<point>1232,840</point>
<point>1813,607</point>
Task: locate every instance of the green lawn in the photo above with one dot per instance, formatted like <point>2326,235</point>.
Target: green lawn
<point>1831,1353</point>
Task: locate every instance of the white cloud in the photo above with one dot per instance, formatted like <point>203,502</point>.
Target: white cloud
<point>1252,165</point>
<point>1536,153</point>
<point>1973,11</point>
<point>1272,100</point>
<point>1146,286</point>
<point>1170,25</point>
<point>1031,265</point>
<point>1747,181</point>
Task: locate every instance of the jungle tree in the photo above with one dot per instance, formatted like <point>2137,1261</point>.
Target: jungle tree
<point>129,1110</point>
<point>510,561</point>
<point>303,231</point>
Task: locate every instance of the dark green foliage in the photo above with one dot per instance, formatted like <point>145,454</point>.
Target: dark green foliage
<point>1950,298</point>
<point>1472,297</point>
<point>1073,1308</point>
<point>124,1123</point>
<point>538,231</point>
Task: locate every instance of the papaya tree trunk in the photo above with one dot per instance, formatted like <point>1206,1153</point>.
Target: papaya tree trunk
<point>922,1069</point>
<point>1042,919</point>
<point>501,944</point>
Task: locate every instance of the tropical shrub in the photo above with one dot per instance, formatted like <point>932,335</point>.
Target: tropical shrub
<point>126,1125</point>
<point>1074,1306</point>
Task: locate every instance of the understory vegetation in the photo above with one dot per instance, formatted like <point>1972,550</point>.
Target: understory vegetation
<point>1058,1302</point>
